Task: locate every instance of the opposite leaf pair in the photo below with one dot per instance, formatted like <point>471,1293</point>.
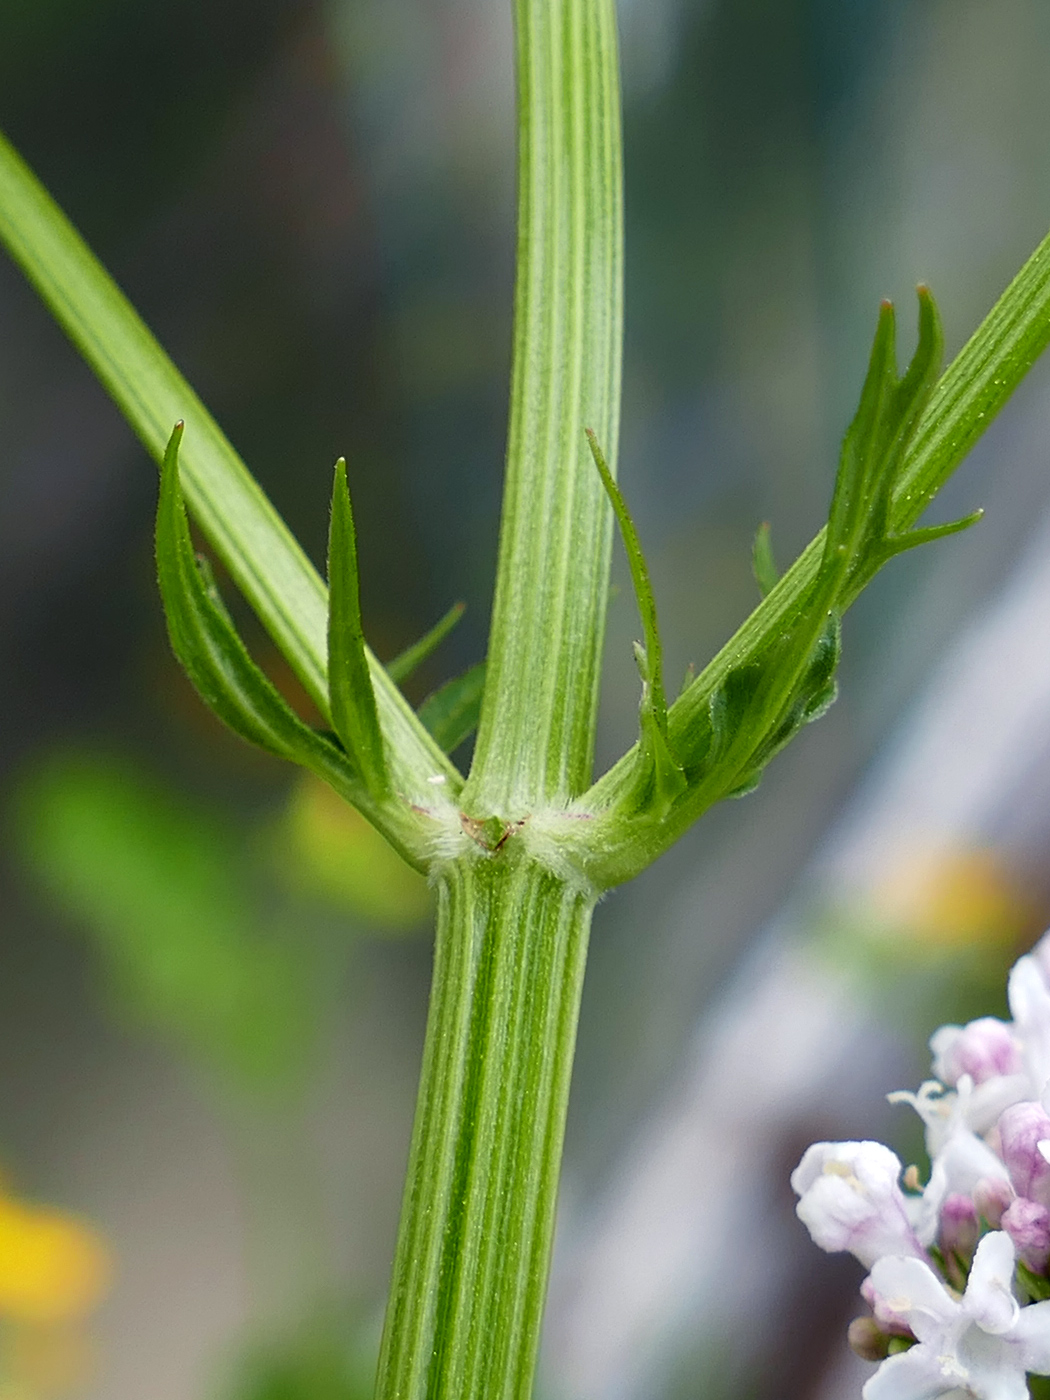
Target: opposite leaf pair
<point>353,758</point>
<point>755,705</point>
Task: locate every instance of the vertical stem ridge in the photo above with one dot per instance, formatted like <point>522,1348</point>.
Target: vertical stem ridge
<point>536,736</point>
<point>471,1268</point>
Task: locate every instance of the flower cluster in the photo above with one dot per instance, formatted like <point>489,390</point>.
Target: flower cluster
<point>959,1284</point>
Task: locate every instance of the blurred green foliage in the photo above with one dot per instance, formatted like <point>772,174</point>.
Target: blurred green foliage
<point>320,1364</point>
<point>325,849</point>
<point>164,890</point>
<point>217,932</point>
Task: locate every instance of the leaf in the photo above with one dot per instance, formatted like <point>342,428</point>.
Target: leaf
<point>643,589</point>
<point>450,715</point>
<point>762,561</point>
<point>791,680</point>
<point>239,522</point>
<point>406,662</point>
<point>859,539</point>
<point>666,780</point>
<point>214,657</point>
<point>350,693</point>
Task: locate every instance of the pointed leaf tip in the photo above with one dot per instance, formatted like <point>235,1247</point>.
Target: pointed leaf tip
<point>643,589</point>
<point>407,661</point>
<point>212,654</point>
<point>762,562</point>
<point>665,779</point>
<point>353,704</point>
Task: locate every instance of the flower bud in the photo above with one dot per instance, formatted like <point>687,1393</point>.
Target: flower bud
<point>991,1196</point>
<point>1028,1225</point>
<point>959,1230</point>
<point>850,1199</point>
<point>1021,1129</point>
<point>866,1339</point>
<point>984,1049</point>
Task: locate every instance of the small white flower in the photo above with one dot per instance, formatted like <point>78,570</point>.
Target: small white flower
<point>960,1159</point>
<point>1030,1007</point>
<point>851,1199</point>
<point>982,1345</point>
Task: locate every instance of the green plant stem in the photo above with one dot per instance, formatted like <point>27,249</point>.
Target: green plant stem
<point>470,1274</point>
<point>536,734</point>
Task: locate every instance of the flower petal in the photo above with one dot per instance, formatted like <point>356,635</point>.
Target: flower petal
<point>1032,1331</point>
<point>911,1375</point>
<point>1030,1005</point>
<point>910,1289</point>
<point>850,1199</point>
<point>994,1365</point>
<point>989,1296</point>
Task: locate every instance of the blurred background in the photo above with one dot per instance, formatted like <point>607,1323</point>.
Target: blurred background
<point>213,978</point>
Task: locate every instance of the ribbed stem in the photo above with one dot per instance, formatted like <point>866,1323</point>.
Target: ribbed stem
<point>536,736</point>
<point>470,1275</point>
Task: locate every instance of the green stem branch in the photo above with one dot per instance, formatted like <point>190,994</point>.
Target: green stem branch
<point>970,393</point>
<point>536,734</point>
<point>470,1275</point>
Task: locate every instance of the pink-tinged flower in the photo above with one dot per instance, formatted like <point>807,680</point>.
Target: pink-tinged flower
<point>851,1200</point>
<point>959,1229</point>
<point>984,1049</point>
<point>1022,1129</point>
<point>1028,1225</point>
<point>991,1197</point>
<point>886,1318</point>
<point>981,1346</point>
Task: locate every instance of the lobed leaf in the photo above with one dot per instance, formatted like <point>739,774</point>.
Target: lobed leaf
<point>212,654</point>
<point>772,682</point>
<point>240,524</point>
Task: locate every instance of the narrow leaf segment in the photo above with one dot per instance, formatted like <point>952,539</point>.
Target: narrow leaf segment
<point>762,562</point>
<point>217,662</point>
<point>664,779</point>
<point>350,694</point>
<point>450,715</point>
<point>413,657</point>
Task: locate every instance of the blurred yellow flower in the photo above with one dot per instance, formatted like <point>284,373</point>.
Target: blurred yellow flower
<point>955,898</point>
<point>53,1267</point>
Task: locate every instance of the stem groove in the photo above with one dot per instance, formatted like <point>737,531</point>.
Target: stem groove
<point>470,1274</point>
